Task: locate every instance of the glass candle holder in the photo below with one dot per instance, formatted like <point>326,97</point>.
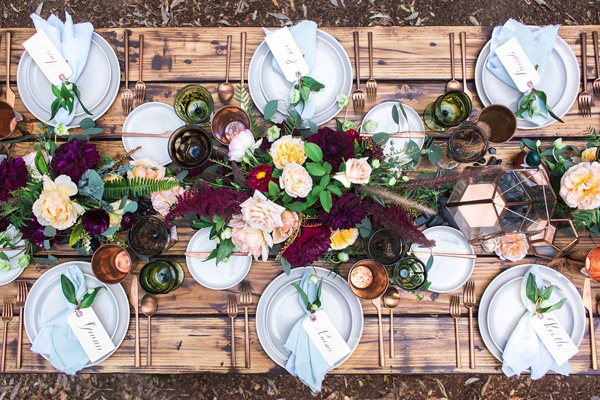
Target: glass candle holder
<point>468,143</point>
<point>410,273</point>
<point>111,263</point>
<point>386,247</point>
<point>448,110</point>
<point>161,276</point>
<point>149,236</point>
<point>193,104</point>
<point>228,122</point>
<point>190,147</point>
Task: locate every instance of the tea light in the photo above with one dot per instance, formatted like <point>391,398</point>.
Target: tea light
<point>123,262</point>
<point>233,129</point>
<point>361,277</point>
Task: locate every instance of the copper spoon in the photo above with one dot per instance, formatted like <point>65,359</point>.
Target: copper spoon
<point>225,89</point>
<point>391,297</point>
<point>149,307</point>
<point>453,84</point>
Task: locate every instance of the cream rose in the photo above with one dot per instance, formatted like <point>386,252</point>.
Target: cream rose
<point>162,201</point>
<point>146,168</point>
<point>342,238</point>
<point>512,247</point>
<point>117,213</point>
<point>287,150</point>
<point>358,171</point>
<point>295,180</point>
<point>589,154</point>
<point>54,207</point>
<point>290,221</point>
<point>261,213</point>
<point>255,242</point>
<point>580,186</point>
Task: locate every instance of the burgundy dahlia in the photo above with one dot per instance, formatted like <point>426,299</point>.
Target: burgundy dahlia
<point>95,221</point>
<point>13,175</point>
<point>336,146</point>
<point>74,158</point>
<point>346,212</point>
<point>127,221</point>
<point>34,233</point>
<point>259,178</point>
<point>311,244</point>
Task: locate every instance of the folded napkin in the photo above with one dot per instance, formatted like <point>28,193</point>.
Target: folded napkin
<point>305,35</point>
<point>524,349</point>
<point>73,41</point>
<point>56,341</point>
<point>305,361</point>
<point>537,45</point>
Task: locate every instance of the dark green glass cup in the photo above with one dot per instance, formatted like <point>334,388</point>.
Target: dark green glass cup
<point>386,247</point>
<point>193,104</point>
<point>448,110</point>
<point>161,277</point>
<point>190,147</point>
<point>410,273</point>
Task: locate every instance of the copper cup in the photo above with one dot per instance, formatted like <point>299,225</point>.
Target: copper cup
<point>228,122</point>
<point>8,120</point>
<point>499,122</point>
<point>378,285</point>
<point>592,263</point>
<point>111,263</point>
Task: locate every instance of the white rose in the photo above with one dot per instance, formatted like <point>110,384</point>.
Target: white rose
<point>261,213</point>
<point>240,144</point>
<point>295,180</point>
<point>358,171</point>
<point>54,206</point>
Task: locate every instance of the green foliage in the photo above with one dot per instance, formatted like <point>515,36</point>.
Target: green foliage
<point>528,104</point>
<point>241,95</point>
<point>537,297</point>
<point>65,98</point>
<point>119,188</point>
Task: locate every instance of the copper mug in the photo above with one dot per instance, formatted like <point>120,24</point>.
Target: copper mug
<point>8,120</point>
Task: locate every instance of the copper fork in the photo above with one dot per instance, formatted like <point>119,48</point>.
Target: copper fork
<point>140,86</point>
<point>585,98</point>
<point>455,313</point>
<point>371,83</point>
<point>246,301</point>
<point>127,94</point>
<point>22,292</point>
<point>469,300</point>
<point>7,316</point>
<point>596,83</point>
<point>232,312</point>
<point>358,96</point>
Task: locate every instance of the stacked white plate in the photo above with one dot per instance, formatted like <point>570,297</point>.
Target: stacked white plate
<point>332,68</point>
<point>278,311</point>
<point>560,83</point>
<point>501,306</point>
<point>14,236</point>
<point>98,83</point>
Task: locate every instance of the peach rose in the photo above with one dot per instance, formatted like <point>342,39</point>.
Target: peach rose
<point>358,171</point>
<point>146,168</point>
<point>295,180</point>
<point>342,238</point>
<point>589,154</point>
<point>580,186</point>
<point>512,247</point>
<point>290,221</point>
<point>250,240</point>
<point>261,213</point>
<point>162,201</point>
<point>54,207</point>
<point>287,150</point>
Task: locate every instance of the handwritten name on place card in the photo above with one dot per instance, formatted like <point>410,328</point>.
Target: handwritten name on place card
<point>90,333</point>
<point>517,64</point>
<point>288,55</point>
<point>48,58</point>
<point>554,337</point>
<point>326,337</point>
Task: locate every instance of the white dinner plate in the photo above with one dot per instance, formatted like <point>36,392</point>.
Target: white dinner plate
<point>332,68</point>
<point>98,83</point>
<point>560,82</point>
<point>382,114</point>
<point>151,118</point>
<point>46,300</point>
<point>278,311</point>
<point>503,318</point>
<point>208,273</point>
<point>447,273</point>
<point>12,234</point>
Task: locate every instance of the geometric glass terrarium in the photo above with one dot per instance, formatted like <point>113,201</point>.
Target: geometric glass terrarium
<point>503,202</point>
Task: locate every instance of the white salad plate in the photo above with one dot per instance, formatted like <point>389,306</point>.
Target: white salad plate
<point>14,236</point>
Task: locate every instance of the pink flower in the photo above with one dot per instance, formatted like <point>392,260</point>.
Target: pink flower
<point>250,240</point>
<point>261,213</point>
<point>146,168</point>
<point>508,247</point>
<point>580,186</point>
<point>358,171</point>
<point>241,144</point>
<point>162,201</point>
<point>290,223</point>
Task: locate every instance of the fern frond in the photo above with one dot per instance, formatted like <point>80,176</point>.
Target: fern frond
<point>243,97</point>
<point>119,188</point>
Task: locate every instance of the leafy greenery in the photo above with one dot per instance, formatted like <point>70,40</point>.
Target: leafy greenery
<point>69,292</point>
<point>538,297</point>
<point>315,305</point>
<point>300,94</point>
<point>241,94</point>
<point>528,104</point>
<point>65,98</point>
<point>119,188</point>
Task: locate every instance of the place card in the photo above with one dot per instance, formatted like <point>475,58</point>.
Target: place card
<point>287,54</point>
<point>90,333</point>
<point>554,337</point>
<point>517,64</point>
<point>48,58</point>
<point>326,337</point>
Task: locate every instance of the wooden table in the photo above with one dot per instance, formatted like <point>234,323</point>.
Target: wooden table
<point>191,330</point>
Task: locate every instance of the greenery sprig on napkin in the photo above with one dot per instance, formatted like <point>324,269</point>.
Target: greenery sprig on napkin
<point>65,98</point>
<point>315,305</point>
<point>300,94</point>
<point>537,297</point>
<point>528,103</point>
<point>69,291</point>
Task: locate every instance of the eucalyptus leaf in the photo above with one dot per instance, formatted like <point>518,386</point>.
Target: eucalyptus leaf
<point>68,289</point>
<point>270,109</point>
<point>88,298</point>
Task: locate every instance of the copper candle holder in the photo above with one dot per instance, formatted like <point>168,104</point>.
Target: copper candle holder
<point>377,286</point>
<point>228,122</point>
<point>111,263</point>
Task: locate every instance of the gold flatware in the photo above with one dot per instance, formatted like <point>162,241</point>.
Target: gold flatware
<point>232,312</point>
<point>455,313</point>
<point>243,58</point>
<point>391,298</point>
<point>463,54</point>
<point>584,100</point>
<point>140,86</point>
<point>587,303</point>
<point>452,255</point>
<point>596,83</point>
<point>10,95</point>
<point>134,301</point>
<point>453,84</point>
<point>22,292</point>
<point>371,83</point>
<point>166,134</point>
<point>225,89</point>
<point>127,94</point>
<point>377,303</point>
<point>149,308</point>
<point>358,96</point>
<point>469,301</point>
<point>7,316</point>
<point>246,301</point>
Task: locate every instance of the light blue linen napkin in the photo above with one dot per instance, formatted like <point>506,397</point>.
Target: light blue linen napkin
<point>305,361</point>
<point>73,41</point>
<point>56,341</point>
<point>305,35</point>
<point>537,45</point>
<point>524,349</point>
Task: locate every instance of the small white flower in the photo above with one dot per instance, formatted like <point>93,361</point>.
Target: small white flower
<point>558,144</point>
<point>375,163</point>
<point>370,126</point>
<point>342,100</point>
<point>241,144</point>
<point>226,234</point>
<point>348,125</point>
<point>273,133</point>
<point>313,279</point>
<point>61,130</point>
<point>294,96</point>
<point>343,257</point>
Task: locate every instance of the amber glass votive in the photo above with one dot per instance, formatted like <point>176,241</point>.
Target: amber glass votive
<point>228,122</point>
<point>111,263</point>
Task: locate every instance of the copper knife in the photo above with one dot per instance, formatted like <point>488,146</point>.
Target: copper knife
<point>587,303</point>
<point>134,301</point>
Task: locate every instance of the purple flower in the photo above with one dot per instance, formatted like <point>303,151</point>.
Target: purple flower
<point>34,233</point>
<point>336,146</point>
<point>95,221</point>
<point>346,212</point>
<point>311,244</point>
<point>13,175</point>
<point>127,221</point>
<point>74,158</point>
